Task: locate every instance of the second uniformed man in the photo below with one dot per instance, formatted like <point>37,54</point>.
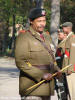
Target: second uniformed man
<point>61,84</point>
<point>69,57</point>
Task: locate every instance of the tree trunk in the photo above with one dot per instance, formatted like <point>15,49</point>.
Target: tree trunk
<point>13,36</point>
<point>40,3</point>
<point>55,20</point>
<point>5,39</point>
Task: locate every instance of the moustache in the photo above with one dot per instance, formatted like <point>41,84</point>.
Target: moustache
<point>41,26</point>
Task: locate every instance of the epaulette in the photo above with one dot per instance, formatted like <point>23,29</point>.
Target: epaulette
<point>22,31</point>
<point>47,32</point>
<point>73,36</point>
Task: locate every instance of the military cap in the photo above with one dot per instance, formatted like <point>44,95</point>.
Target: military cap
<point>36,12</point>
<point>67,24</point>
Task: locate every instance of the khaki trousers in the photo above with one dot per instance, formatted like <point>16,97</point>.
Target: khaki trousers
<point>35,98</point>
<point>71,85</point>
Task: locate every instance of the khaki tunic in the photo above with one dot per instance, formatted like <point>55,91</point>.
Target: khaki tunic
<point>29,49</point>
<point>70,47</point>
<point>60,53</point>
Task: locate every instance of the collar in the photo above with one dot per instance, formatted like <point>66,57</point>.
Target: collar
<point>69,34</point>
<point>66,37</point>
<point>32,30</point>
<point>59,45</point>
<point>36,34</point>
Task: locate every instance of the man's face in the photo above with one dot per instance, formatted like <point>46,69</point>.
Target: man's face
<point>61,36</point>
<point>67,30</point>
<point>39,24</point>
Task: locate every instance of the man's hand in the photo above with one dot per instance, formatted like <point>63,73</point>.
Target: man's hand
<point>69,72</point>
<point>47,76</point>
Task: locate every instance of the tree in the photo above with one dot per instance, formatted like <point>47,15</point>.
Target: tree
<point>67,12</point>
<point>55,20</point>
<point>4,18</point>
<point>16,12</point>
<point>39,3</point>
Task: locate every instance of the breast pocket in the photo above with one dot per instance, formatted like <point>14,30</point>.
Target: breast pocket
<point>36,50</point>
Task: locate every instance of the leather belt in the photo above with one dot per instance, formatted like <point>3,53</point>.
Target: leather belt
<point>42,67</point>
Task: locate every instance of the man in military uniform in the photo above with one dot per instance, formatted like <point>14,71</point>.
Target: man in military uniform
<point>61,86</point>
<point>69,57</point>
<point>60,47</point>
<point>34,60</point>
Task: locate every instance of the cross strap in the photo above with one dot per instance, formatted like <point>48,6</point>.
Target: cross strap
<point>45,46</point>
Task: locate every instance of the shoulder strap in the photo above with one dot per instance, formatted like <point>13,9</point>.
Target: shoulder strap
<point>49,50</point>
<point>45,46</point>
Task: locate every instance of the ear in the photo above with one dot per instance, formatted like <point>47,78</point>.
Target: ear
<point>31,22</point>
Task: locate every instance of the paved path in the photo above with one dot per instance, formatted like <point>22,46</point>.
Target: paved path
<point>9,80</point>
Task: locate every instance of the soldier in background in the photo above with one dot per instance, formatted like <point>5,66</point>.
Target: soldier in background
<point>61,84</point>
<point>34,61</point>
<point>69,57</point>
<point>61,47</point>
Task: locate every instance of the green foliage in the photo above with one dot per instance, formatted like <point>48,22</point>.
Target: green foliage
<point>48,14</point>
<point>5,9</point>
<point>20,9</point>
<point>47,4</point>
<point>67,12</point>
<point>20,19</point>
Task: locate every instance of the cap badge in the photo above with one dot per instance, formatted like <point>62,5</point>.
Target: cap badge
<point>43,13</point>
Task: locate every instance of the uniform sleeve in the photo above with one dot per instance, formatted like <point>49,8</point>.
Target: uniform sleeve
<point>68,48</point>
<point>22,55</point>
<point>66,54</point>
